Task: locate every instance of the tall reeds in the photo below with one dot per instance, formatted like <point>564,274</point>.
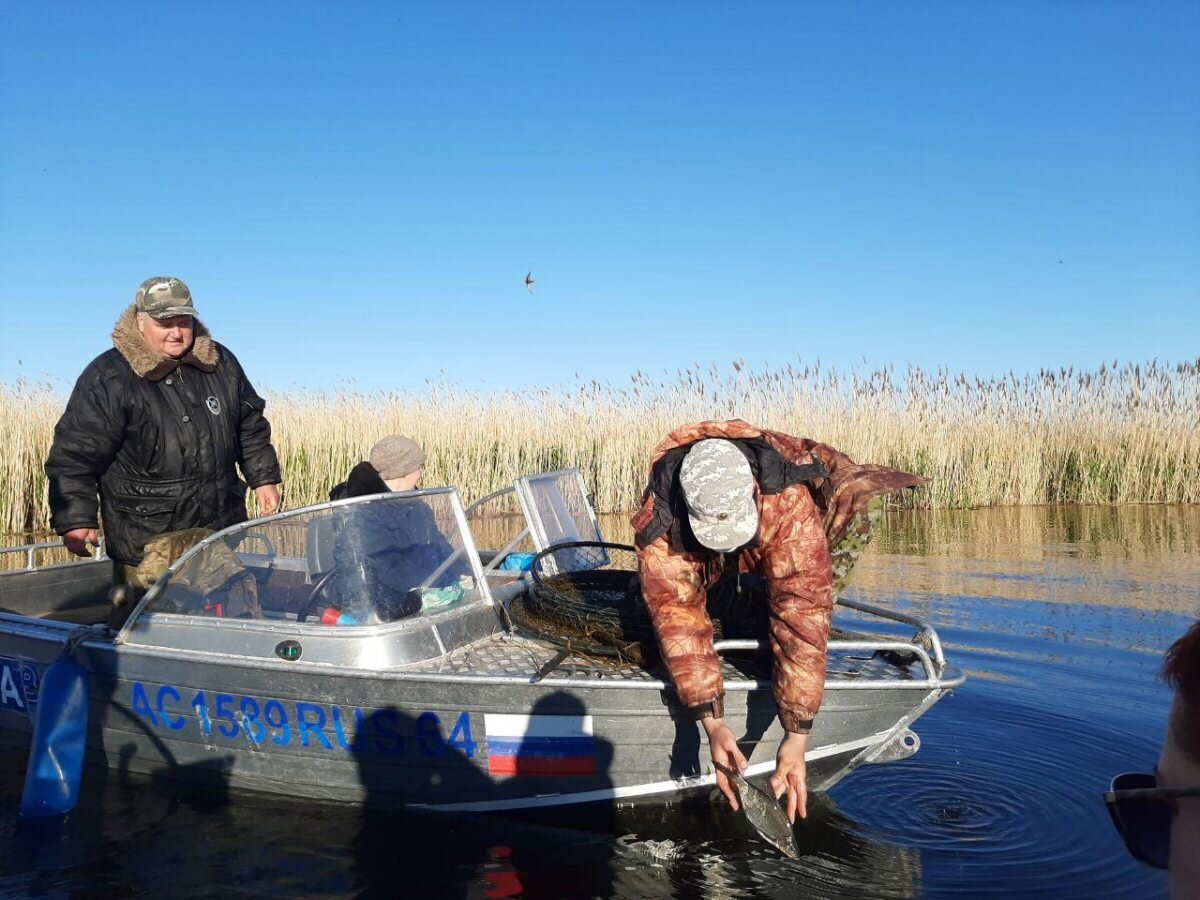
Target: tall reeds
<point>28,412</point>
<point>1119,434</point>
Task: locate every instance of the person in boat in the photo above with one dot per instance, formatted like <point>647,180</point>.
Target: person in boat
<point>395,463</point>
<point>154,433</point>
<point>727,498</point>
<point>386,553</point>
<point>1158,814</point>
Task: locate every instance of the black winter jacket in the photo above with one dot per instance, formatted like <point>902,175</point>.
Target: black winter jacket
<point>159,441</point>
<point>363,480</point>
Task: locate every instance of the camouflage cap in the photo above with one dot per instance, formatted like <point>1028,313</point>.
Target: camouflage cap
<point>718,489</point>
<point>163,296</point>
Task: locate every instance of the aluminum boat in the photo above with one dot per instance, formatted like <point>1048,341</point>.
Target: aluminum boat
<point>229,671</point>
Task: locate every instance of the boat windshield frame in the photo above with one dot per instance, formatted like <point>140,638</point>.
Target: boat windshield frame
<point>485,597</point>
<point>524,486</point>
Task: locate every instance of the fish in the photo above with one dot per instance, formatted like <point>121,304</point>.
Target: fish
<point>764,813</point>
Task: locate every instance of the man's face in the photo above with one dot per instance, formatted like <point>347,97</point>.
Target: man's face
<point>170,337</point>
<point>407,483</point>
<point>1177,768</point>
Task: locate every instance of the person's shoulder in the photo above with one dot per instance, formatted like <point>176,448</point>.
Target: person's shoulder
<point>225,356</point>
<point>105,380</point>
<point>108,364</point>
<point>363,480</point>
<point>793,449</point>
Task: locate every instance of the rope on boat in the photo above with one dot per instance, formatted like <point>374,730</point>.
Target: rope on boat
<point>77,636</point>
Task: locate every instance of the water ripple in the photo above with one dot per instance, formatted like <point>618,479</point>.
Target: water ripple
<point>989,806</point>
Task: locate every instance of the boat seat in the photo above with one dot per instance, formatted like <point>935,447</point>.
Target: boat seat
<point>318,546</point>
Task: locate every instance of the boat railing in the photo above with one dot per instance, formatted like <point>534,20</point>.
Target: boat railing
<point>931,673</point>
<point>31,552</point>
<point>926,637</point>
<point>493,565</point>
<point>487,498</point>
<point>925,644</point>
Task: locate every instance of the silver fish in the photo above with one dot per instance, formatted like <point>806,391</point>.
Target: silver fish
<point>764,813</point>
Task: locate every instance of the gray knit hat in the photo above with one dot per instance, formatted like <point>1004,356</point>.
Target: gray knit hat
<point>396,456</point>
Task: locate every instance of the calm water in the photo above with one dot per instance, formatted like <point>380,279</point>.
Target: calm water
<point>1058,616</point>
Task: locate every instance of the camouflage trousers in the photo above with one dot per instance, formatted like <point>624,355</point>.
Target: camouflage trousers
<point>123,596</point>
<point>222,574</point>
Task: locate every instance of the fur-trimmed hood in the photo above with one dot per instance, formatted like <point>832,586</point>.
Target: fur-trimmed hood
<point>147,364</point>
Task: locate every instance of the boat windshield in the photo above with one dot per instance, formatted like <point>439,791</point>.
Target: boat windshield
<point>559,511</point>
<point>364,562</point>
<point>557,507</point>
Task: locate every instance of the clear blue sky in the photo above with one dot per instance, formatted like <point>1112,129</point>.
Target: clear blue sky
<point>356,191</point>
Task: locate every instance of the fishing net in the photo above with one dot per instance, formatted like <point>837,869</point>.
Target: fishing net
<point>586,598</point>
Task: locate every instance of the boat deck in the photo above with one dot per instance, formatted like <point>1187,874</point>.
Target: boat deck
<point>514,656</point>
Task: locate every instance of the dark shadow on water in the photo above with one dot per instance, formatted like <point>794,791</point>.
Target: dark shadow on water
<point>400,852</point>
<point>161,837</point>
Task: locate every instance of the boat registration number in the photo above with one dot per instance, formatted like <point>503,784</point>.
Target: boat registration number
<point>18,684</point>
<point>268,722</point>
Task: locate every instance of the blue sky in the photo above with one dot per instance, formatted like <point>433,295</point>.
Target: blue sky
<point>355,192</point>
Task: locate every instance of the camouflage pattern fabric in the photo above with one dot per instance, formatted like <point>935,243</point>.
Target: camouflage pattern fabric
<point>160,553</point>
<point>850,546</point>
<point>797,529</point>
<point>718,488</point>
<point>214,571</point>
<point>163,296</point>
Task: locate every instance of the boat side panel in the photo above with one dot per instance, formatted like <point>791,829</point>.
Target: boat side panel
<point>386,741</point>
<point>76,592</point>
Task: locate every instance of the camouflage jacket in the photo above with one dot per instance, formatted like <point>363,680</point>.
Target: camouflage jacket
<point>797,525</point>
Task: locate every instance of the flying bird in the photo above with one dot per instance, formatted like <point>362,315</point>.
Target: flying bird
<point>529,282</point>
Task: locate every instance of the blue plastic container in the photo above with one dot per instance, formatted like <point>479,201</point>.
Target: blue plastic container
<point>59,740</point>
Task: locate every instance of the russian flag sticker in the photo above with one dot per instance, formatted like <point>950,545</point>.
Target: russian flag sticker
<point>540,745</point>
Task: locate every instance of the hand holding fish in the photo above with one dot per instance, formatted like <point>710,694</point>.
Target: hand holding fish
<point>791,774</point>
<point>725,753</point>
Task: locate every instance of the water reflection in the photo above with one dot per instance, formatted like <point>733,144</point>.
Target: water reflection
<point>707,851</point>
<point>135,841</point>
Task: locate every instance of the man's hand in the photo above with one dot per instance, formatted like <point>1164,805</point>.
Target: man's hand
<point>268,499</point>
<point>724,749</point>
<point>77,539</point>
<point>791,774</point>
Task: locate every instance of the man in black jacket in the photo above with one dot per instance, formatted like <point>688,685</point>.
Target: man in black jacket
<point>154,433</point>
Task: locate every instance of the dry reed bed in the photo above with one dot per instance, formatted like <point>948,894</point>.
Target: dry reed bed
<point>1119,434</point>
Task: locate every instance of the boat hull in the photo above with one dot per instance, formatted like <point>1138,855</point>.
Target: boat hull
<point>396,739</point>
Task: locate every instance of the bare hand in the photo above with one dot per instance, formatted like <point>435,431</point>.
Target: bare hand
<point>791,774</point>
<point>77,539</point>
<point>268,499</point>
<point>724,749</point>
